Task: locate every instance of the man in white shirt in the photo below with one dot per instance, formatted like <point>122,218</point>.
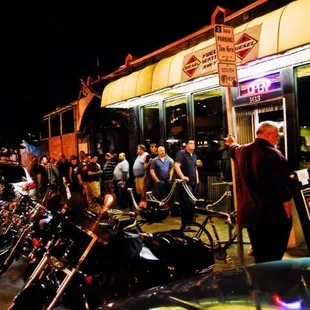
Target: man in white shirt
<point>139,173</point>
<point>120,176</point>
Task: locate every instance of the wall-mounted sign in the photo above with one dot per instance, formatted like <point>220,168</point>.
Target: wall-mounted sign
<point>204,61</point>
<point>260,85</point>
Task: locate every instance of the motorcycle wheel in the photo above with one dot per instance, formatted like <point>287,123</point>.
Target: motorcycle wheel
<point>34,297</point>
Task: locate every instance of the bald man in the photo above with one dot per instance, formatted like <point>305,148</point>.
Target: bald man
<point>120,177</point>
<point>263,195</point>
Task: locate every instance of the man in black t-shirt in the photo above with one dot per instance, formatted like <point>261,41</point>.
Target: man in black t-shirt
<point>186,168</point>
<point>93,184</point>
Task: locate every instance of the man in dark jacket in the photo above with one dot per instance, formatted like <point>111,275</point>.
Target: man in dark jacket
<point>263,195</point>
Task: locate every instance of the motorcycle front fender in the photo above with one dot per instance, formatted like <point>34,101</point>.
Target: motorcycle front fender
<point>34,297</point>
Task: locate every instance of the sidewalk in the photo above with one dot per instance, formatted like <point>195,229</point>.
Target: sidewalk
<point>175,222</point>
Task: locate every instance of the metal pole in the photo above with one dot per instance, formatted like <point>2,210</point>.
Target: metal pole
<point>228,97</point>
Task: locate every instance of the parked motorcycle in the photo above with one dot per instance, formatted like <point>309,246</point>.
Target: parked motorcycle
<point>17,220</point>
<point>106,257</point>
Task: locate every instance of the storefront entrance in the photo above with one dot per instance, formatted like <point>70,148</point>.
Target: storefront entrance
<point>247,119</point>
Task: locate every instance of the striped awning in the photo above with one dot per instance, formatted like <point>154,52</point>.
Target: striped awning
<point>278,31</point>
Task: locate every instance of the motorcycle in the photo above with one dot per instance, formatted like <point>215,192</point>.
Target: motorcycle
<point>107,257</point>
<point>17,219</point>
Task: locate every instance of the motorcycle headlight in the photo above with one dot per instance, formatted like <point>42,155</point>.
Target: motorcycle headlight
<point>55,262</point>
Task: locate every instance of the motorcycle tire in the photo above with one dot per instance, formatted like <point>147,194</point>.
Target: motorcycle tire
<point>34,297</point>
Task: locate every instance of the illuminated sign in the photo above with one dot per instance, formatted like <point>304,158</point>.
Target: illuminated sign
<point>260,86</point>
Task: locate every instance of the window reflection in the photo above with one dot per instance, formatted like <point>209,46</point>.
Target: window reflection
<point>176,125</point>
<point>303,91</point>
<point>151,126</point>
<point>209,129</point>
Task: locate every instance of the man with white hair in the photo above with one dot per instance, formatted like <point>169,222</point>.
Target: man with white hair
<point>263,195</point>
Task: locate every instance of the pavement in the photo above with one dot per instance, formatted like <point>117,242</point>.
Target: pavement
<point>11,281</point>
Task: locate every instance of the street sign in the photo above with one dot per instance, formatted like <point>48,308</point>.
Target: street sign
<point>225,43</point>
<point>227,74</point>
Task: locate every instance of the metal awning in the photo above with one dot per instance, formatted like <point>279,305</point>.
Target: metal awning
<point>280,30</point>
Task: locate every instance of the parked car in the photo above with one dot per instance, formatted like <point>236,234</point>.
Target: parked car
<point>276,285</point>
<point>15,177</point>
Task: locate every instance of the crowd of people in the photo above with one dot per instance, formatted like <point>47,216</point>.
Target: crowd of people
<point>151,170</point>
<point>263,195</point>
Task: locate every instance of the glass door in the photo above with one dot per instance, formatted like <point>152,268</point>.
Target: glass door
<point>275,112</point>
<point>247,119</point>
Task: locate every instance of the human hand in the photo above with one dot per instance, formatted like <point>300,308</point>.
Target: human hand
<point>229,140</point>
<point>186,179</point>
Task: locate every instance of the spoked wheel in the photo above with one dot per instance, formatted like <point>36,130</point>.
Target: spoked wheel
<point>196,230</point>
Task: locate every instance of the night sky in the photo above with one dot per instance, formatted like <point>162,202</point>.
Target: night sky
<point>48,46</point>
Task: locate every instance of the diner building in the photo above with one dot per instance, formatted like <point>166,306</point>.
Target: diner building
<point>174,93</point>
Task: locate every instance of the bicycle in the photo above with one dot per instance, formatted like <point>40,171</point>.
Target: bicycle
<point>199,230</point>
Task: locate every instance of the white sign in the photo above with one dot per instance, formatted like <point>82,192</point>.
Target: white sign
<point>225,43</point>
<point>227,74</point>
<point>205,60</point>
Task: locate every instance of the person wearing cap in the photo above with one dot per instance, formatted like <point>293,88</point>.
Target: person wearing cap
<point>107,174</point>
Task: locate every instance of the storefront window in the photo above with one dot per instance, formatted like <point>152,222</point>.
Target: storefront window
<point>303,93</point>
<point>209,130</point>
<point>176,125</point>
<point>151,127</point>
<point>44,129</point>
<point>67,119</point>
<point>55,125</point>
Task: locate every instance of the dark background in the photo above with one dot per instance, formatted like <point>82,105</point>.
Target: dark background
<point>48,46</point>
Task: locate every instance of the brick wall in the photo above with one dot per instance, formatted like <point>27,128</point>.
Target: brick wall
<point>65,144</point>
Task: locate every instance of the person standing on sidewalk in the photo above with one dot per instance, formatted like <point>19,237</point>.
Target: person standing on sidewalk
<point>161,170</point>
<point>186,168</point>
<point>263,195</point>
<point>139,174</point>
<point>120,177</point>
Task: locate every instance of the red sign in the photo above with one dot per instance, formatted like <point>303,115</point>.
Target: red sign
<point>191,66</point>
<point>244,45</point>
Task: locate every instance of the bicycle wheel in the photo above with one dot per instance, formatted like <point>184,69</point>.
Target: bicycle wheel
<point>196,230</point>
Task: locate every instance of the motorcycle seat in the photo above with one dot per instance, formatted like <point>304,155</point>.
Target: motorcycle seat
<point>147,253</point>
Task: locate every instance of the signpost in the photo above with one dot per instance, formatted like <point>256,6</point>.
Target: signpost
<point>227,72</point>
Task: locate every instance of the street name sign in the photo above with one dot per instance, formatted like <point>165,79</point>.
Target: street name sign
<point>227,74</point>
<point>225,43</point>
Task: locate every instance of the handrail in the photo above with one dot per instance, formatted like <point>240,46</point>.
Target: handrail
<point>151,197</point>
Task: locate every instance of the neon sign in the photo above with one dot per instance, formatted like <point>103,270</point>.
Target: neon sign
<point>259,86</point>
<point>262,85</point>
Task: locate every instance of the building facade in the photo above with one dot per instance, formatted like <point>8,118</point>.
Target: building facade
<point>174,93</point>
